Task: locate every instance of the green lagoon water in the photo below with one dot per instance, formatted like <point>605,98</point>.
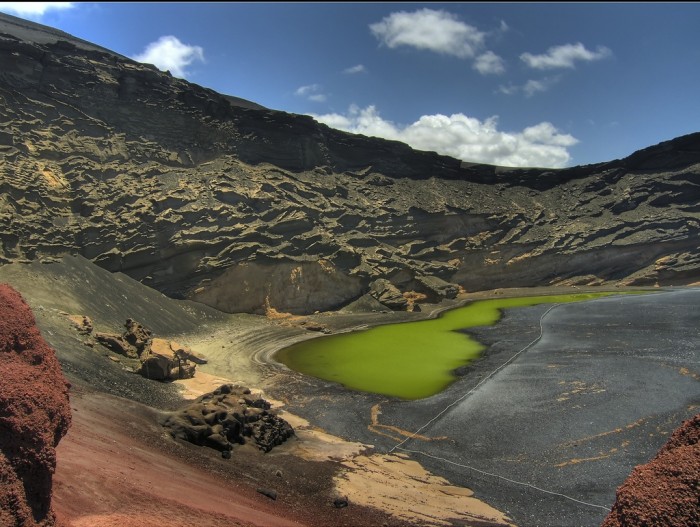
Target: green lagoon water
<point>410,360</point>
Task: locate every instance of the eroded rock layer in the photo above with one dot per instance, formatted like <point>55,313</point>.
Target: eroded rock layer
<point>34,415</point>
<point>216,199</point>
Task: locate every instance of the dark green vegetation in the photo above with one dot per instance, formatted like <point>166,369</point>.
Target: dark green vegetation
<point>411,360</point>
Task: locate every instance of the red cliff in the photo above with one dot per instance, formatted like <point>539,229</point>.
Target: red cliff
<point>666,491</point>
<point>34,415</point>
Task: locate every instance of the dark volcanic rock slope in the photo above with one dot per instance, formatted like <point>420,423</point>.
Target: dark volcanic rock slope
<point>219,200</point>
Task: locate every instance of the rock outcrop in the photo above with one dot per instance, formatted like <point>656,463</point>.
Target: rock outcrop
<point>34,415</point>
<point>161,360</point>
<point>202,196</point>
<point>229,416</point>
<point>666,491</point>
<point>387,294</point>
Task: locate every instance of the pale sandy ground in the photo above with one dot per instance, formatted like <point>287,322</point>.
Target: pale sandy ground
<point>391,483</point>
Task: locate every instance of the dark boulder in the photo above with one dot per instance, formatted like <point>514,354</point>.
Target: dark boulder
<point>228,416</point>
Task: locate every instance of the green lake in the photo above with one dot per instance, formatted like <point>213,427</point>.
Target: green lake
<point>411,360</point>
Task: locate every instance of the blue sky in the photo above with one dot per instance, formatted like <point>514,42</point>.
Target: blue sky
<point>515,84</point>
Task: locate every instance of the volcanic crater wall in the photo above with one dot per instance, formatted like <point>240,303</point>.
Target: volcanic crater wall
<point>213,198</point>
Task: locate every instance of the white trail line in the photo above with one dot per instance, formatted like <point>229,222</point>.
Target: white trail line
<point>399,446</point>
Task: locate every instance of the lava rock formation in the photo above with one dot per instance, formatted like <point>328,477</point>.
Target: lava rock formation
<point>34,415</point>
<point>228,416</point>
<point>666,491</point>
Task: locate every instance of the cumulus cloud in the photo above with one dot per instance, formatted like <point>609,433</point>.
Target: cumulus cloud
<point>168,53</point>
<point>431,30</point>
<point>564,56</point>
<point>463,137</point>
<point>33,9</point>
<point>312,92</point>
<point>360,68</point>
<point>489,64</point>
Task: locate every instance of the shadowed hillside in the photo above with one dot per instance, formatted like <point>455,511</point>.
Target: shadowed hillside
<point>217,199</point>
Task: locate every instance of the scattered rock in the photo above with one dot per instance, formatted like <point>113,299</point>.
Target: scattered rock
<point>137,336</point>
<point>161,359</point>
<point>82,323</point>
<point>185,353</point>
<point>270,493</point>
<point>314,326</point>
<point>228,416</point>
<point>117,344</point>
<point>34,415</point>
<point>340,502</point>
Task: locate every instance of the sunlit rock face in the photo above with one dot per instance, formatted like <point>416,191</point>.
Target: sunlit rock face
<point>213,198</point>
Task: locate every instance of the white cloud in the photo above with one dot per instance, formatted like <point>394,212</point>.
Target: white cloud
<point>531,87</point>
<point>437,31</point>
<point>360,68</point>
<point>564,56</point>
<point>463,137</point>
<point>168,53</point>
<point>511,89</point>
<point>489,64</point>
<point>33,9</point>
<point>303,91</point>
<point>312,92</point>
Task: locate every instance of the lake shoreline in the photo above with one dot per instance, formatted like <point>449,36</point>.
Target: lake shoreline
<point>411,361</point>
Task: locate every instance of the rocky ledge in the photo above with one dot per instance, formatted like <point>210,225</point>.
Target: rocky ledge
<point>34,415</point>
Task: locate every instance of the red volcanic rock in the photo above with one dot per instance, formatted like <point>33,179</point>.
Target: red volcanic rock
<point>666,491</point>
<point>34,415</point>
